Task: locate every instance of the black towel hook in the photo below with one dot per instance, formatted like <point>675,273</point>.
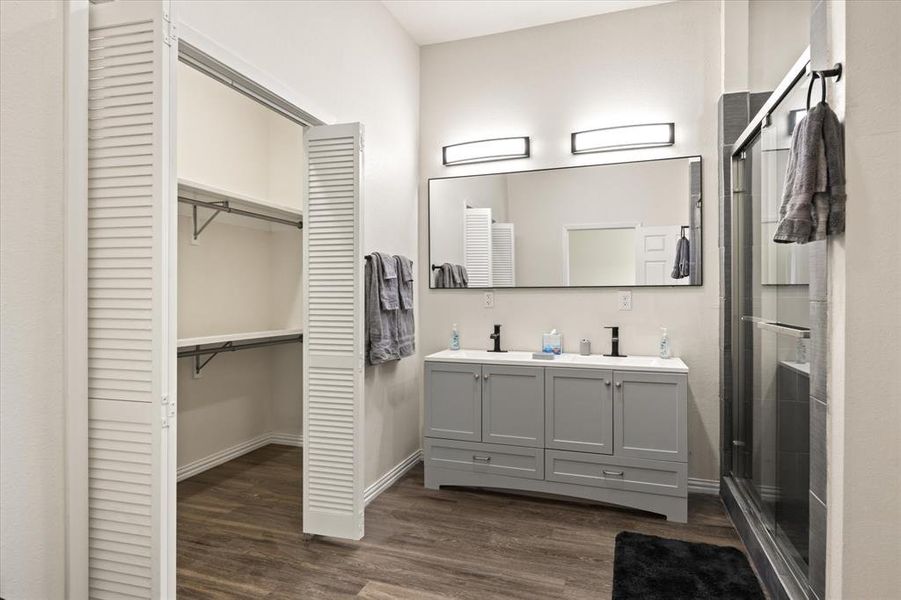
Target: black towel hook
<point>835,71</point>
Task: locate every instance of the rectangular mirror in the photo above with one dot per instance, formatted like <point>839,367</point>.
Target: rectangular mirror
<point>612,225</point>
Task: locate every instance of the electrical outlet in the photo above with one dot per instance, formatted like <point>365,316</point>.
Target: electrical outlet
<point>488,300</point>
<point>624,299</point>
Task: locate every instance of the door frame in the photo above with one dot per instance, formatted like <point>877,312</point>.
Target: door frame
<point>216,61</point>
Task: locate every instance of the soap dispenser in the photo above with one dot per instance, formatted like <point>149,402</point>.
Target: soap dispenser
<point>665,351</point>
<point>455,338</point>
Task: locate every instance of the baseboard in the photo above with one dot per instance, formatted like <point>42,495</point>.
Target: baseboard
<point>286,439</point>
<point>703,486</point>
<point>391,477</point>
<point>223,456</point>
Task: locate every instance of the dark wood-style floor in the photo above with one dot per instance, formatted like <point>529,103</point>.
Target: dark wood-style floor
<point>239,536</point>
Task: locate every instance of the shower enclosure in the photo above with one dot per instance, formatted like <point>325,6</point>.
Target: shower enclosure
<point>772,343</point>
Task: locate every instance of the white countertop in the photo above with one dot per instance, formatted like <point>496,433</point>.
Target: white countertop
<point>595,361</point>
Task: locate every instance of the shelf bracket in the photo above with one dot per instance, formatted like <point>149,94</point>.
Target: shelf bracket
<point>200,364</point>
<point>216,211</point>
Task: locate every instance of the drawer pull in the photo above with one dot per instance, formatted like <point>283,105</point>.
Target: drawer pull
<point>613,473</point>
<point>481,459</point>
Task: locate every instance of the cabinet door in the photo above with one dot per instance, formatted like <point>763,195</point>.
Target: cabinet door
<point>649,412</point>
<point>453,401</point>
<point>579,410</point>
<point>513,405</point>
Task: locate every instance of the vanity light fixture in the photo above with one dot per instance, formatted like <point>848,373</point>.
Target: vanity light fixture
<point>485,151</point>
<point>628,137</point>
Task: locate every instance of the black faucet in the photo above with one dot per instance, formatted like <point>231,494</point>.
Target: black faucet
<point>496,336</point>
<point>614,342</point>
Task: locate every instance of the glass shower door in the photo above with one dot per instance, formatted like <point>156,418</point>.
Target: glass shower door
<point>771,449</point>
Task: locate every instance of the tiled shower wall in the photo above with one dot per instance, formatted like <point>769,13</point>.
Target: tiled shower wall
<point>734,113</point>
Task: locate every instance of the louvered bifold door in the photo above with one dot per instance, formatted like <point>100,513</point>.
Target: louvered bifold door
<point>477,246</point>
<point>131,479</point>
<point>333,333</point>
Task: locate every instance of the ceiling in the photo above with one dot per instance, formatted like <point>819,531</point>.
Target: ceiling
<point>436,21</point>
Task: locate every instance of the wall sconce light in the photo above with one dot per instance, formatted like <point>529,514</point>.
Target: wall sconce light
<point>628,137</point>
<point>485,151</point>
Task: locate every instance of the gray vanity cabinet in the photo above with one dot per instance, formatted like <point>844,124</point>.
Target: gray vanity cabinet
<point>579,410</point>
<point>649,416</point>
<point>513,405</point>
<point>617,436</point>
<point>454,409</point>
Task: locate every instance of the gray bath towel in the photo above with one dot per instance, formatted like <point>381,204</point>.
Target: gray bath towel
<point>813,199</point>
<point>406,341</point>
<point>681,267</point>
<point>387,281</point>
<point>381,325</point>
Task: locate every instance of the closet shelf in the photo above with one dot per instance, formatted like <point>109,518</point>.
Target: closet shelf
<point>212,345</point>
<point>200,195</point>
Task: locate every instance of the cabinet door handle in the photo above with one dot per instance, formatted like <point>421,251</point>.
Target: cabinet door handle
<point>482,459</point>
<point>619,384</point>
<point>476,375</point>
<point>606,382</point>
<point>484,376</point>
<point>613,473</point>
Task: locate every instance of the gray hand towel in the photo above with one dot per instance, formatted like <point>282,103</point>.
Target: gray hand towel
<point>461,277</point>
<point>405,282</point>
<point>406,344</point>
<point>813,199</point>
<point>447,274</point>
<point>681,267</point>
<point>387,281</point>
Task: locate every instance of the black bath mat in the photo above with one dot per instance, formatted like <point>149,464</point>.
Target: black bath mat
<point>648,567</point>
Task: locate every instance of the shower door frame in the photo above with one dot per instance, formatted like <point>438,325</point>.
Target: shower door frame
<point>777,569</point>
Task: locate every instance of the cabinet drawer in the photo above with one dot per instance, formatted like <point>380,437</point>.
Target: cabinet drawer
<point>636,475</point>
<point>512,461</point>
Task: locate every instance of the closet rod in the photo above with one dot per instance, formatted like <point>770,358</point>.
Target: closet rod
<point>197,351</point>
<point>225,207</point>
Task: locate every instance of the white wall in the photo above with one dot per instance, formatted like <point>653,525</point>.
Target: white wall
<point>778,32</point>
<point>547,82</point>
<point>32,525</point>
<point>354,60</point>
<point>864,419</point>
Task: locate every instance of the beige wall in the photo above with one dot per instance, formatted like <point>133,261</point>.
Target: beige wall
<point>234,143</point>
<point>32,501</point>
<point>547,82</point>
<point>241,277</point>
<point>864,420</point>
<point>353,60</point>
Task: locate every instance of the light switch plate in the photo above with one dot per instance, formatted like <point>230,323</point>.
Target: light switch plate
<point>488,300</point>
<point>624,299</point>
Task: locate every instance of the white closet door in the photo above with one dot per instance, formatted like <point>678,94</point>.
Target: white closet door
<point>333,333</point>
<point>477,246</point>
<point>503,255</point>
<point>131,349</point>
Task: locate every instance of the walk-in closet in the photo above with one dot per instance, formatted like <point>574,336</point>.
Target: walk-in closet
<point>240,196</point>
